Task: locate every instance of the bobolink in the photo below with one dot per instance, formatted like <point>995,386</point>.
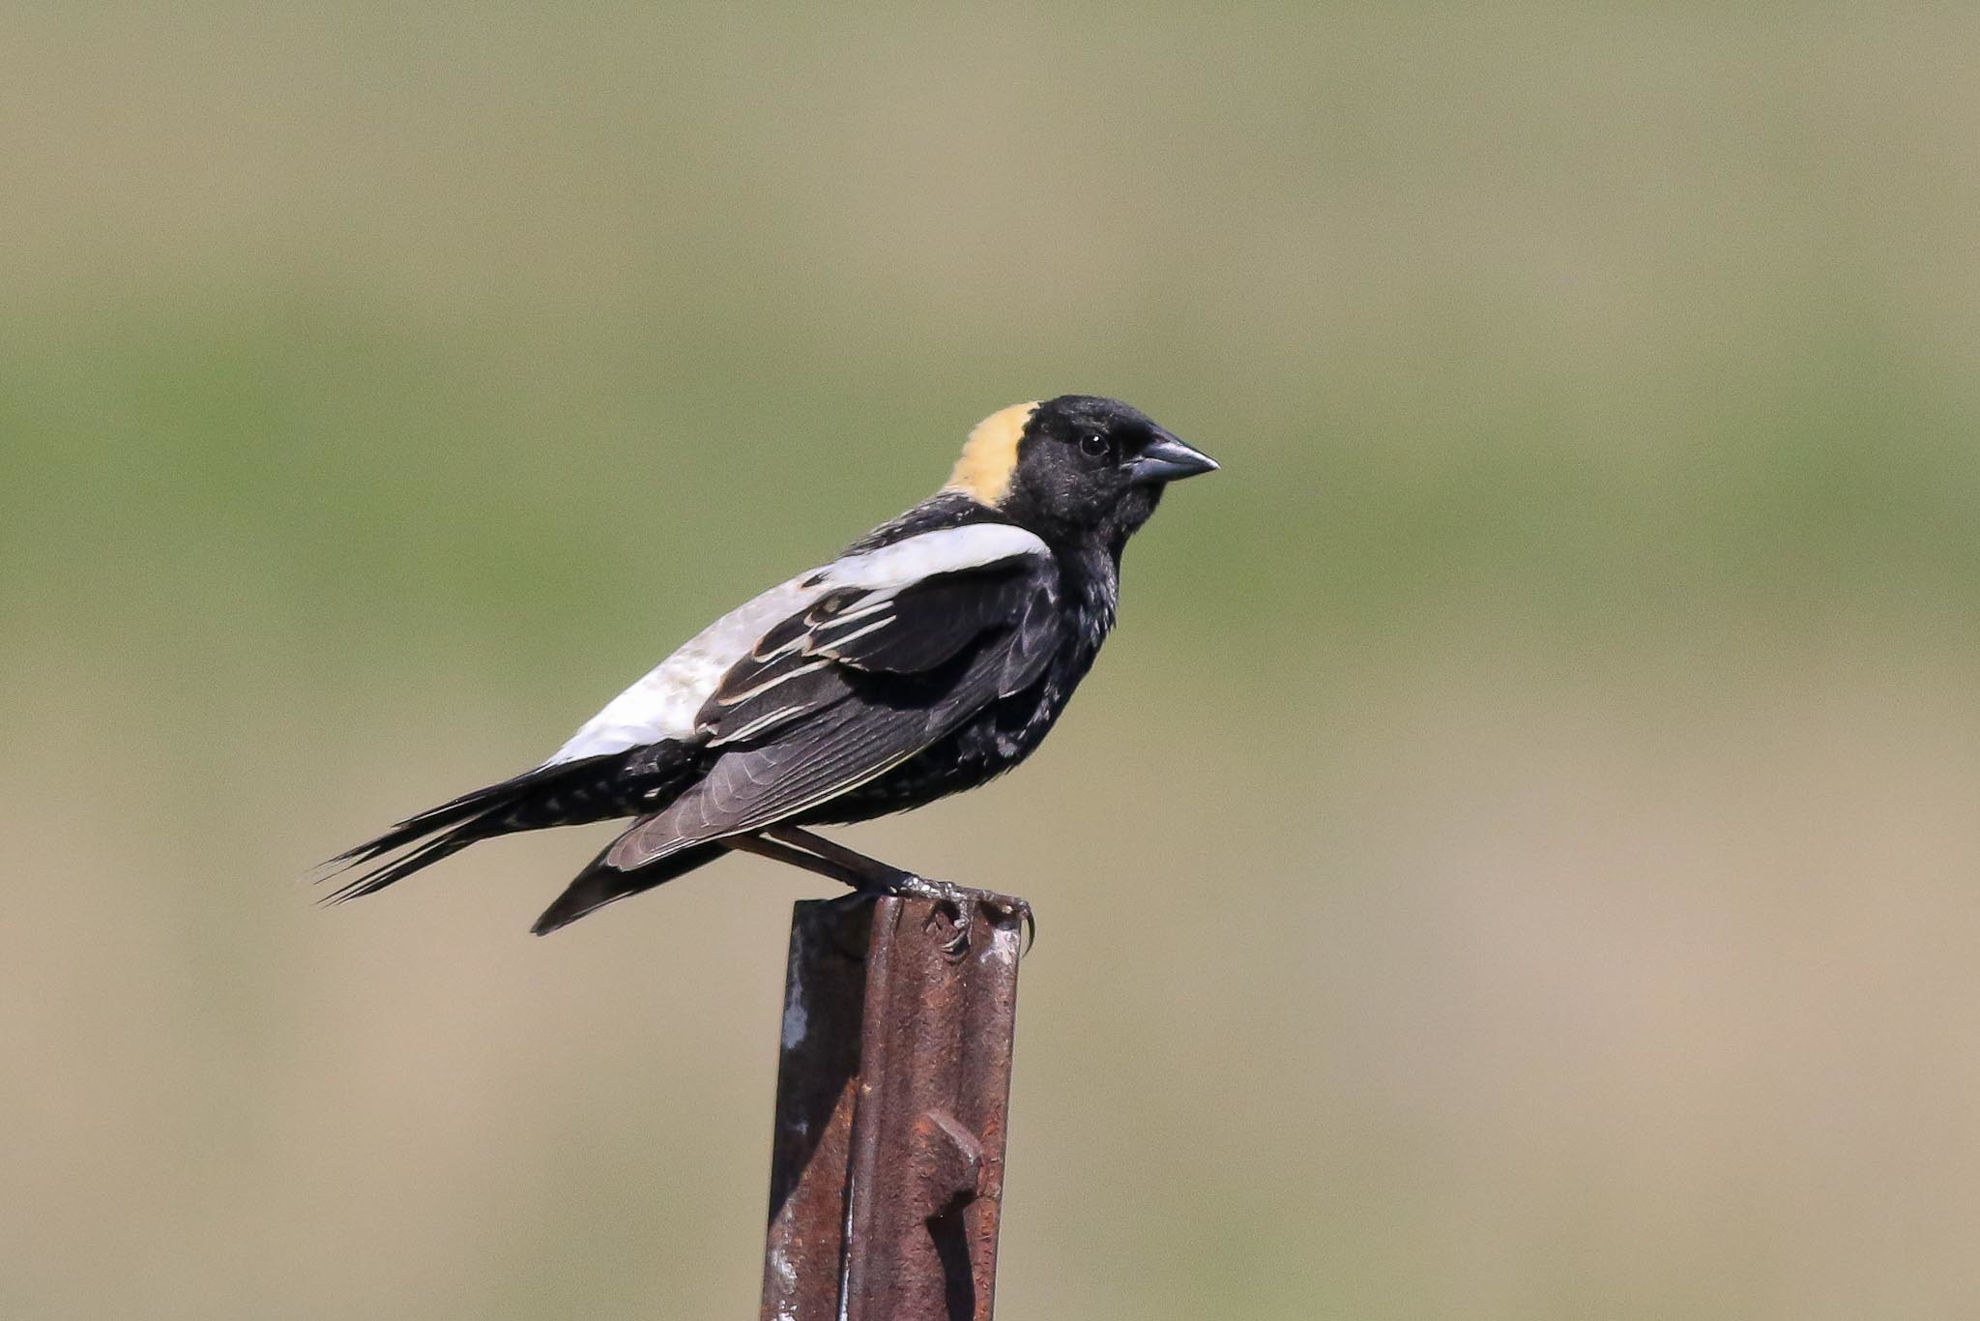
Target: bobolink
<point>931,656</point>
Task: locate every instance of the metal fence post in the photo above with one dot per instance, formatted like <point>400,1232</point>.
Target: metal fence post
<point>887,1170</point>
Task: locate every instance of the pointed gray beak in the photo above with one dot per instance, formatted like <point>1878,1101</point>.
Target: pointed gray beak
<point>1167,459</point>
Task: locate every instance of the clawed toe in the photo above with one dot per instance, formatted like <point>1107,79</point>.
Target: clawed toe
<point>944,895</point>
<point>960,903</point>
<point>1021,909</point>
<point>1009,905</point>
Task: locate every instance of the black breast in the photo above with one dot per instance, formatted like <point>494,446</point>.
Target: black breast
<point>1003,733</point>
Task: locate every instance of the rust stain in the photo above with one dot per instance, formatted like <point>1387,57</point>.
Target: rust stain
<point>886,1182</point>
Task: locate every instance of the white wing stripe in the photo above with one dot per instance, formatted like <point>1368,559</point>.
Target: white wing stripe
<point>737,699</point>
<point>871,605</point>
<point>762,722</point>
<point>843,638</point>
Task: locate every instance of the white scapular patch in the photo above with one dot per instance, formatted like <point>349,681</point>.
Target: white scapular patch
<point>663,703</point>
<point>907,562</point>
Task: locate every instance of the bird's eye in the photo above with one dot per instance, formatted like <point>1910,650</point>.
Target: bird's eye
<point>1093,445</point>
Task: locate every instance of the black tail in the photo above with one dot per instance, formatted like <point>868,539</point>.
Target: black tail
<point>565,794</point>
<point>599,884</point>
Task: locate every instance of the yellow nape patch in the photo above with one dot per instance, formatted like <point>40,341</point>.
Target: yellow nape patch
<point>990,454</point>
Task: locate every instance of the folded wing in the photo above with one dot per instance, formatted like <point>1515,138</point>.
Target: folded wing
<point>848,688</point>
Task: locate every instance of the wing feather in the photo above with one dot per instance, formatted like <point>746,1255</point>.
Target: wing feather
<point>800,742</point>
<point>810,661</point>
<point>754,787</point>
<point>664,703</point>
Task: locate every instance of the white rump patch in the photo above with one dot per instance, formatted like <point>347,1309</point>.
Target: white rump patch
<point>663,704</point>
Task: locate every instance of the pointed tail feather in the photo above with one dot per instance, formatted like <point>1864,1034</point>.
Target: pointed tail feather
<point>563,794</point>
<point>601,883</point>
<point>399,868</point>
<point>468,806</point>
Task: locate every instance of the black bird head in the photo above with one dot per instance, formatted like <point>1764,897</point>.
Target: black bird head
<point>1077,468</point>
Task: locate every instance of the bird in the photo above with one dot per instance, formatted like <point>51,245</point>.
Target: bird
<point>930,656</point>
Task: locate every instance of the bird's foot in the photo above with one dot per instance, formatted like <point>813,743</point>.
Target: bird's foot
<point>959,900</point>
<point>962,901</point>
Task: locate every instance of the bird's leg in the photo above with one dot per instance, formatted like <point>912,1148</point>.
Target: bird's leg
<point>869,877</point>
<point>784,853</point>
<point>879,875</point>
<point>873,874</point>
<point>864,891</point>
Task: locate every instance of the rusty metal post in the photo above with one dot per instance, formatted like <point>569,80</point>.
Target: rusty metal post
<point>887,1172</point>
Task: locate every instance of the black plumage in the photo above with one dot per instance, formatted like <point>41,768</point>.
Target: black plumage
<point>932,655</point>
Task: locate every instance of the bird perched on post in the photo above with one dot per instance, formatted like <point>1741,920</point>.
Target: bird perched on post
<point>932,655</point>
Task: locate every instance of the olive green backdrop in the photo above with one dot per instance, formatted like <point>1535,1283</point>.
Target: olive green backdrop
<point>1514,860</point>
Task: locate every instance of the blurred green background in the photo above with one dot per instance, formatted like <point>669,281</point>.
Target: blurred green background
<point>1515,859</point>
